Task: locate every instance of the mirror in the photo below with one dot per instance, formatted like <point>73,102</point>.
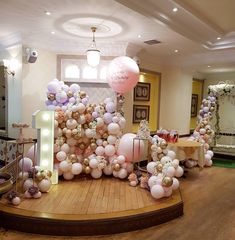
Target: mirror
<point>3,101</point>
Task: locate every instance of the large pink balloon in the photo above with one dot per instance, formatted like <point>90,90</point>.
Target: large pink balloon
<point>123,74</point>
<point>130,148</point>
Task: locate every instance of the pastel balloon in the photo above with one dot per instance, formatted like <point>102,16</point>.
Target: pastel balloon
<point>123,74</point>
<point>152,181</point>
<point>99,151</point>
<point>76,168</point>
<point>109,150</point>
<point>71,123</point>
<point>108,117</point>
<point>151,167</point>
<point>112,139</point>
<point>108,170</point>
<point>96,173</point>
<point>68,175</point>
<point>171,154</point>
<point>122,173</point>
<point>74,88</point>
<point>121,159</point>
<point>61,97</point>
<point>32,154</point>
<point>157,191</point>
<point>110,107</point>
<point>65,166</point>
<point>93,163</point>
<point>113,128</point>
<point>44,185</point>
<point>25,164</point>
<point>53,87</point>
<point>61,155</point>
<point>130,148</point>
<point>179,171</point>
<point>175,184</point>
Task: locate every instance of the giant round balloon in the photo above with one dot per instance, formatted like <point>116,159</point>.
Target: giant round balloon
<point>123,74</point>
<point>130,147</point>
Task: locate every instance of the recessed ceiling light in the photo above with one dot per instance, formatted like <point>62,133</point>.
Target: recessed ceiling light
<point>218,38</point>
<point>176,50</point>
<point>175,9</point>
<point>208,66</point>
<point>139,36</point>
<point>48,13</point>
<point>52,32</point>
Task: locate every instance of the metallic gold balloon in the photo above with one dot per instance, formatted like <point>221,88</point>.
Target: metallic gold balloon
<point>117,167</point>
<point>87,170</point>
<point>89,110</point>
<point>93,146</point>
<point>51,96</point>
<point>39,176</point>
<point>62,125</point>
<point>75,115</point>
<point>105,135</point>
<point>69,94</point>
<point>167,181</point>
<point>49,173</point>
<point>82,94</point>
<point>212,109</point>
<point>93,140</point>
<point>77,136</point>
<point>86,161</point>
<point>163,144</point>
<point>85,126</point>
<point>213,104</point>
<point>82,146</point>
<point>73,158</point>
<point>208,131</point>
<point>159,167</point>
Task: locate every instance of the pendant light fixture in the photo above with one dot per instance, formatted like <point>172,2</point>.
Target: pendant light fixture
<point>93,54</point>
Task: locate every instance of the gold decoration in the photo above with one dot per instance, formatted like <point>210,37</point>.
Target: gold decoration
<point>51,96</point>
<point>212,109</point>
<point>62,125</point>
<point>77,136</point>
<point>105,135</point>
<point>49,173</point>
<point>163,144</point>
<point>39,176</point>
<point>159,167</point>
<point>117,167</point>
<point>89,110</point>
<point>82,94</point>
<point>93,140</point>
<point>75,115</point>
<point>167,181</point>
<point>82,146</point>
<point>93,146</point>
<point>86,161</point>
<point>69,94</point>
<point>85,126</point>
<point>87,170</point>
<point>73,158</point>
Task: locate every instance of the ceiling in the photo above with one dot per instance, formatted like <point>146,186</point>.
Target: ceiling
<point>192,30</point>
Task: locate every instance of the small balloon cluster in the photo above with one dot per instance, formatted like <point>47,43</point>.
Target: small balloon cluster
<point>35,180</point>
<point>13,197</point>
<point>88,137</point>
<point>163,170</point>
<point>203,132</point>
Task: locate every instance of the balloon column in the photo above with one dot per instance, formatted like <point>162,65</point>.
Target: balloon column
<point>204,133</point>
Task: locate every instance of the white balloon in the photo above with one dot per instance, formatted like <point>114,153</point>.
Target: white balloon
<point>76,168</point>
<point>109,150</point>
<point>108,170</point>
<point>157,191</point>
<point>151,167</point>
<point>171,154</point>
<point>68,175</point>
<point>170,171</point>
<point>93,163</point>
<point>179,171</point>
<point>44,185</point>
<point>121,159</point>
<point>175,184</point>
<point>122,173</point>
<point>96,173</point>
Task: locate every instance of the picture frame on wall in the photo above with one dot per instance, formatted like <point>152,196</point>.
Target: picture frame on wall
<point>194,102</point>
<point>140,112</point>
<point>142,91</point>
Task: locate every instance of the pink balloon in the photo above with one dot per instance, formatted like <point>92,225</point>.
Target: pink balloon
<point>131,151</point>
<point>123,74</point>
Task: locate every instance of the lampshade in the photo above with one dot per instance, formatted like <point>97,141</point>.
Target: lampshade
<point>93,54</point>
<point>93,57</point>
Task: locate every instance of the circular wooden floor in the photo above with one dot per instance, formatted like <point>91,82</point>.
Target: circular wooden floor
<point>90,207</point>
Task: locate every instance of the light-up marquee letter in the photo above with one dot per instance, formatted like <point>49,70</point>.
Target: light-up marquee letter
<point>43,121</point>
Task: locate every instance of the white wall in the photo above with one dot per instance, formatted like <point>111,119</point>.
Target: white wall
<point>14,88</point>
<point>176,91</point>
<point>35,77</point>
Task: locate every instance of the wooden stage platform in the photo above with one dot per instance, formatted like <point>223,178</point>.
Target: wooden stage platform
<point>90,207</point>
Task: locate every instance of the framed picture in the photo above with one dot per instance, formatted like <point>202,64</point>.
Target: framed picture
<point>194,105</point>
<point>142,92</point>
<point>140,112</point>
